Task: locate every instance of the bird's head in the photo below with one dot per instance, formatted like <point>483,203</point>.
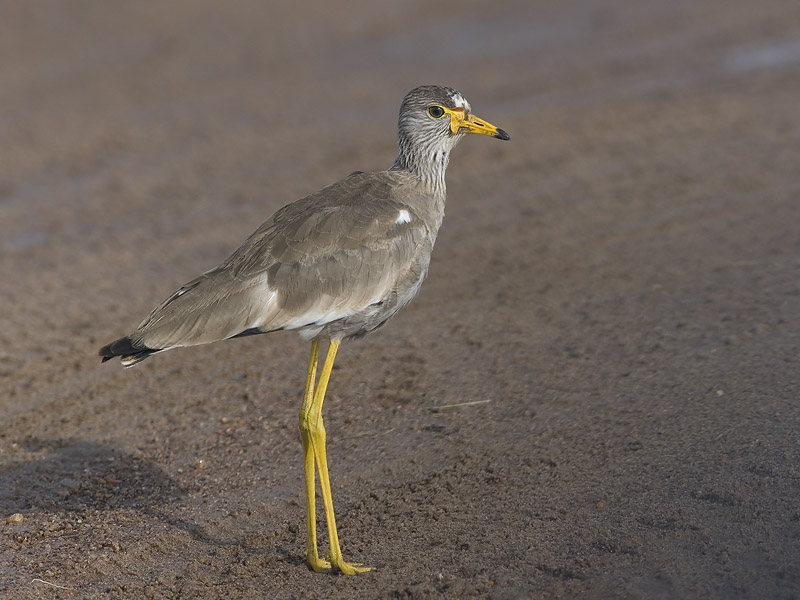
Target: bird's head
<point>435,111</point>
<point>433,119</point>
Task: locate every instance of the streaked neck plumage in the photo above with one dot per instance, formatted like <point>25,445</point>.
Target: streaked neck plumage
<point>427,158</point>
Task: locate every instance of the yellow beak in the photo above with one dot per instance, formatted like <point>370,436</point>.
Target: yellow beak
<point>460,123</point>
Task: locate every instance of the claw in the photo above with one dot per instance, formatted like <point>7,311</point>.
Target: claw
<point>350,568</point>
<point>320,565</point>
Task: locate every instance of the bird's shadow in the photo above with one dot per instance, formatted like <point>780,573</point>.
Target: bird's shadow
<point>73,475</point>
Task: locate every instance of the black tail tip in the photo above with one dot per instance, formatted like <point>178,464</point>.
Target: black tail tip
<point>117,348</point>
<point>126,350</point>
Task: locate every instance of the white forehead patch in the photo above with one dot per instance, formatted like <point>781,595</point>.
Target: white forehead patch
<point>460,101</point>
<point>403,217</point>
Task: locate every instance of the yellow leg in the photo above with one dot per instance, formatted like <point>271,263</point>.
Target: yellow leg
<point>312,432</point>
<point>312,556</point>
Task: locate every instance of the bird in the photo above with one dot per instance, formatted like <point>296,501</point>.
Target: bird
<point>333,266</point>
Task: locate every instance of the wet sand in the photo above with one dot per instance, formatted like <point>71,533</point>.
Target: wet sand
<point>616,292</point>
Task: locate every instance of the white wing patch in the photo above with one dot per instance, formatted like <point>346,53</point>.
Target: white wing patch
<point>261,302</point>
<point>403,217</point>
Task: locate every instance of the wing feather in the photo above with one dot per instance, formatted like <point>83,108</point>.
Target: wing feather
<point>320,259</point>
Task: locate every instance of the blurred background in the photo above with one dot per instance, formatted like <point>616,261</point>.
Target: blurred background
<point>619,283</point>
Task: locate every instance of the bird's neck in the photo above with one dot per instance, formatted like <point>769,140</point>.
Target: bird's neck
<point>427,162</point>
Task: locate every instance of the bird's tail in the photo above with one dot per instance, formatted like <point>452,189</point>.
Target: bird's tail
<point>129,353</point>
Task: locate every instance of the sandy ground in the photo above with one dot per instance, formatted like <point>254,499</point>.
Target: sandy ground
<point>617,289</point>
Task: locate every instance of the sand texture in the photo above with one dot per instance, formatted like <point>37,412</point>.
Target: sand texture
<point>614,298</point>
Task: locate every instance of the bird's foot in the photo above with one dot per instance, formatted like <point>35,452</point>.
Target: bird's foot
<point>321,565</point>
<point>318,564</point>
<point>348,568</point>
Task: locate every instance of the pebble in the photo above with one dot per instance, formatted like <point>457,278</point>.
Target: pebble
<point>14,519</point>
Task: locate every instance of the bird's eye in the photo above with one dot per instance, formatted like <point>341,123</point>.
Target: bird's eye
<point>437,112</point>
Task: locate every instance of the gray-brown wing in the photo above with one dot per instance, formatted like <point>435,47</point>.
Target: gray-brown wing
<point>324,257</point>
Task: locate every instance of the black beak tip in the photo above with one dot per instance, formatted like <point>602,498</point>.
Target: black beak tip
<point>502,135</point>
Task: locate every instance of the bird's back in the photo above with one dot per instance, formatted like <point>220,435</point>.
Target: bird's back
<point>342,260</point>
